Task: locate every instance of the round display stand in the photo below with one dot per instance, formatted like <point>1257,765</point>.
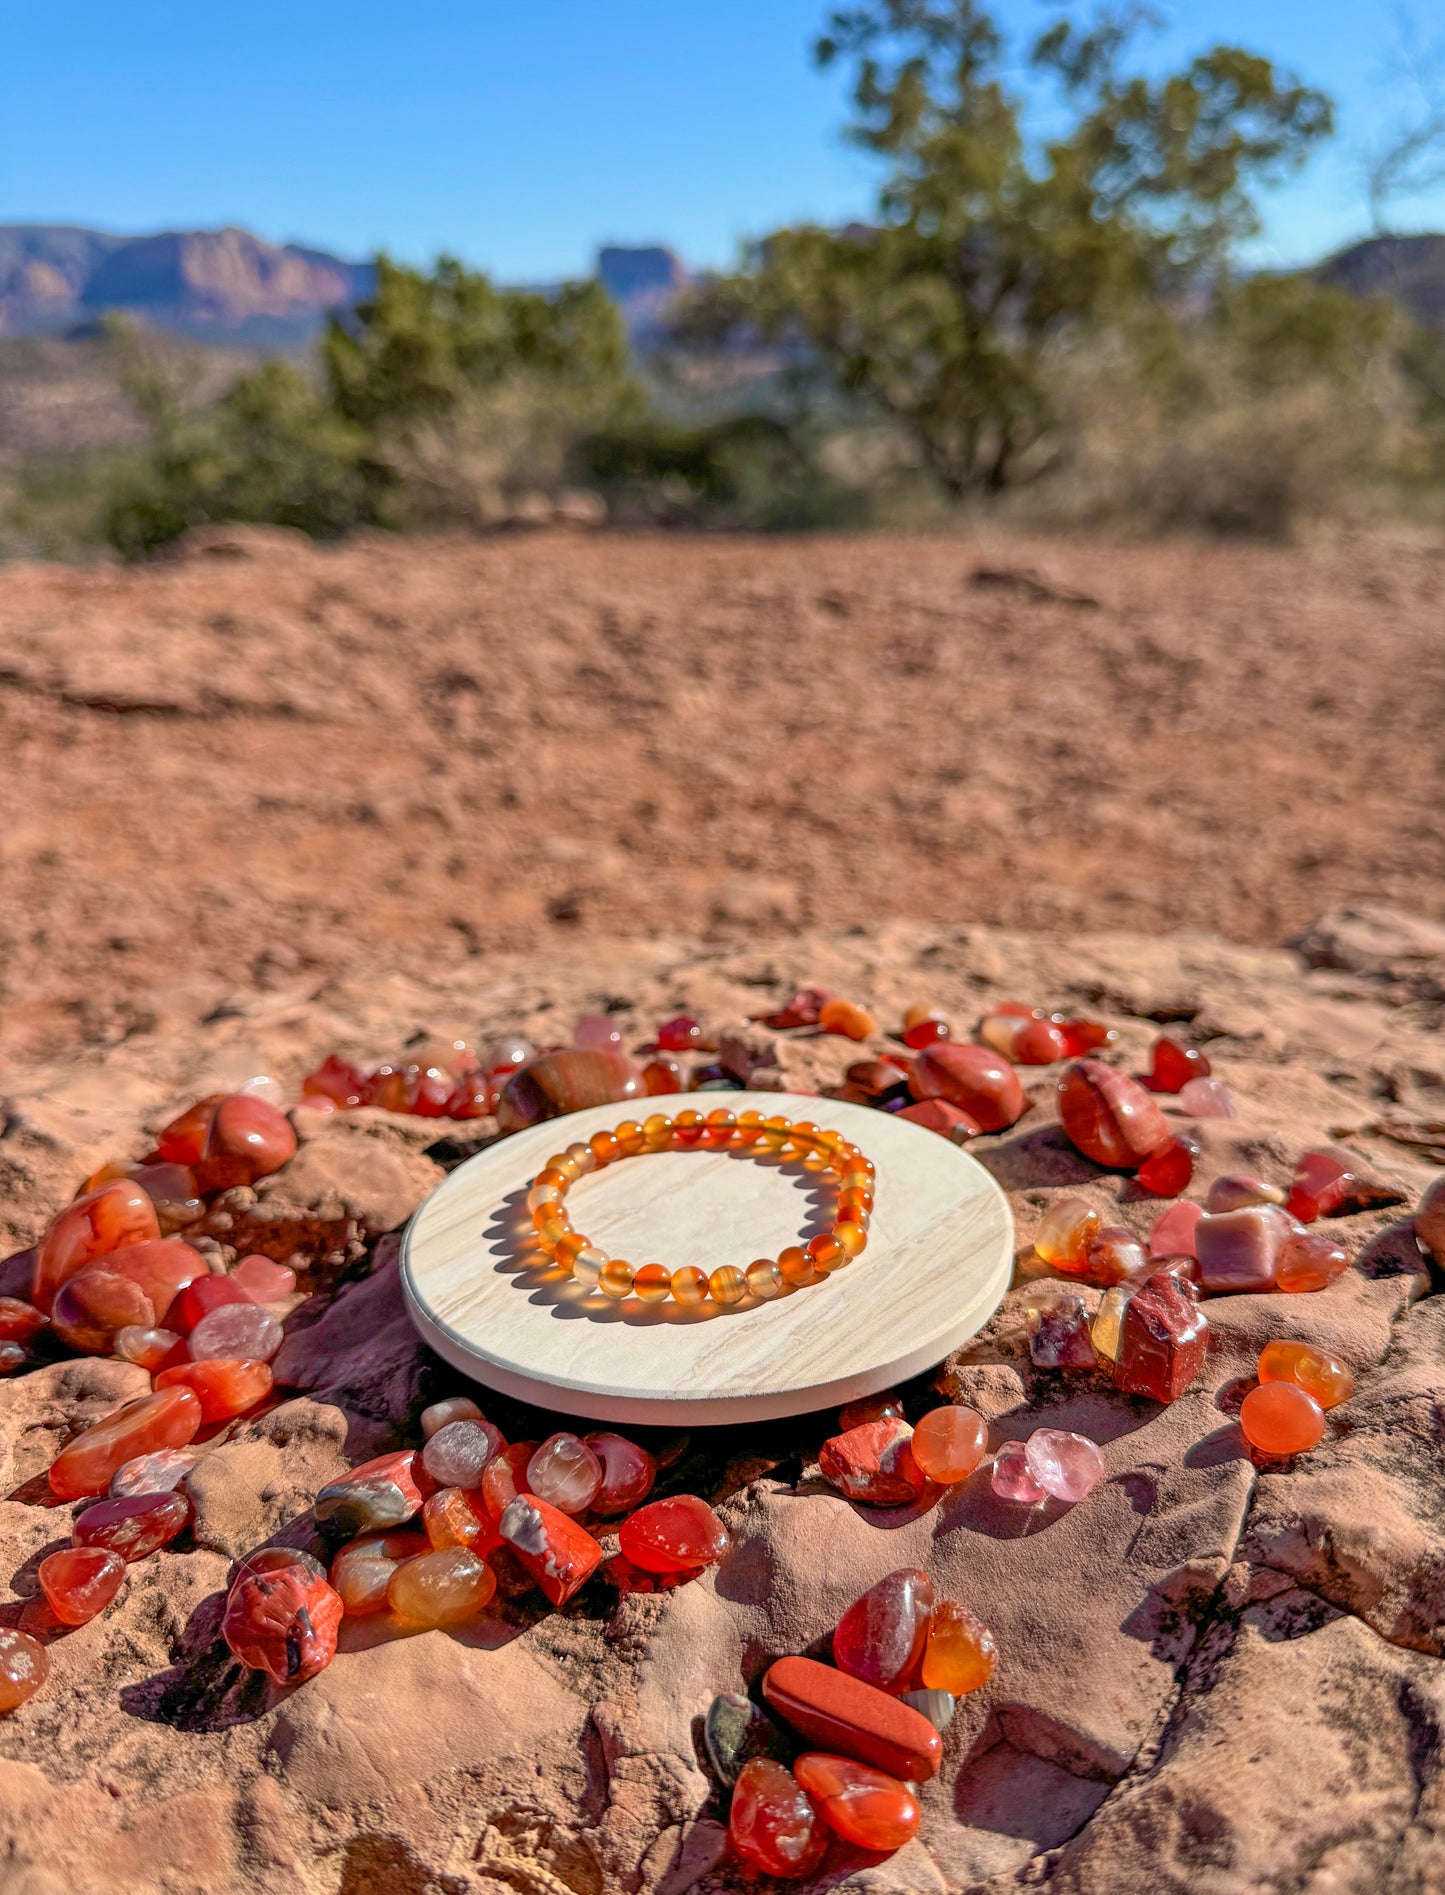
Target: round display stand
<point>939,1257</point>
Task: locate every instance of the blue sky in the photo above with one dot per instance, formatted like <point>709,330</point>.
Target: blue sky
<point>521,136</point>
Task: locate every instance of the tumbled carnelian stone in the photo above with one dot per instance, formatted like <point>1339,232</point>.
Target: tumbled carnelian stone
<point>845,1018</point>
<point>361,1570</point>
<point>108,1219</point>
<point>1108,1116</point>
<point>133,1525</point>
<point>200,1296</point>
<point>774,1824</point>
<point>652,1283</point>
<point>1311,1261</point>
<point>1320,1375</point>
<point>865,1806</point>
<point>560,1555</point>
<point>1280,1418</point>
<point>960,1654</point>
<point>19,1321</point>
<point>24,1667</point>
<point>282,1619</point>
<point>628,1472</point>
<point>93,1304</point>
<point>223,1388</point>
<point>441,1587</point>
<point>183,1140</point>
<point>79,1582</point>
<point>506,1476</point>
<point>167,1419</point>
<point>457,1516</point>
<point>880,1638</point>
<point>674,1535</point>
<point>247,1139</point>
<point>949,1443</point>
<point>977,1080</point>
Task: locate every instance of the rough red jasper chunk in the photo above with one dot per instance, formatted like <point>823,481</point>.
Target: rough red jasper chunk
<point>977,1080</point>
<point>223,1388</point>
<point>379,1493</point>
<point>843,1714</point>
<point>281,1617</point>
<point>675,1535</point>
<point>560,1555</point>
<point>133,1526</point>
<point>79,1582</point>
<point>774,1824</point>
<point>628,1472</point>
<point>1163,1340</point>
<point>880,1638</point>
<point>167,1419</point>
<point>102,1221</point>
<point>1173,1065</point>
<point>874,1464</point>
<point>1108,1116</point>
<point>1167,1171</point>
<point>865,1806</point>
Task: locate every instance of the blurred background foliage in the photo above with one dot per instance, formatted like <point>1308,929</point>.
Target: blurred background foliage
<point>1052,327</point>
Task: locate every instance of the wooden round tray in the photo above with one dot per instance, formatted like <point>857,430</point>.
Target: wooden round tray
<point>939,1257</point>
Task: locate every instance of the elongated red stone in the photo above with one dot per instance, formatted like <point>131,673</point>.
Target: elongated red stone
<point>977,1080</point>
<point>380,1493</point>
<point>938,1115</point>
<point>865,1806</point>
<point>93,1304</point>
<point>223,1388</point>
<point>1167,1171</point>
<point>842,1714</point>
<point>134,1525</point>
<point>167,1419</point>
<point>282,1618</point>
<point>79,1582</point>
<point>19,1321</point>
<point>773,1823</point>
<point>1108,1116</point>
<point>183,1140</point>
<point>675,1535</point>
<point>565,1082</point>
<point>628,1472</point>
<point>560,1555</point>
<point>880,1638</point>
<point>874,1464</point>
<point>108,1219</point>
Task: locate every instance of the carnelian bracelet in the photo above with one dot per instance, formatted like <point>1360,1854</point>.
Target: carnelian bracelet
<point>719,1131</point>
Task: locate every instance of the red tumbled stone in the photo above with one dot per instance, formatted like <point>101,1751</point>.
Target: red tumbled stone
<point>865,1806</point>
<point>843,1714</point>
<point>223,1387</point>
<point>281,1617</point>
<point>80,1581</point>
<point>560,1555</point>
<point>774,1824</point>
<point>1163,1340</point>
<point>937,1115</point>
<point>202,1295</point>
<point>1167,1171</point>
<point>167,1419</point>
<point>1322,1183</point>
<point>1108,1116</point>
<point>1173,1065</point>
<point>133,1525</point>
<point>880,1638</point>
<point>379,1493</point>
<point>104,1220</point>
<point>247,1139</point>
<point>977,1080</point>
<point>674,1535</point>
<point>874,1464</point>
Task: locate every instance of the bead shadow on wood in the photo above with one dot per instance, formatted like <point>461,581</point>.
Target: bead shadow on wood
<point>512,1239</point>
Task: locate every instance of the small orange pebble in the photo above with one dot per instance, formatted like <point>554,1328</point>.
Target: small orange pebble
<point>1318,1374</point>
<point>223,1387</point>
<point>844,1018</point>
<point>1281,1418</point>
<point>949,1443</point>
<point>960,1654</point>
<point>1065,1231</point>
<point>865,1806</point>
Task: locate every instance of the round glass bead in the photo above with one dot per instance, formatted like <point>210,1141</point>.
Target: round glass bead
<point>605,1147</point>
<point>825,1250</point>
<point>764,1279</point>
<point>587,1267</point>
<point>657,1131</point>
<point>689,1284</point>
<point>727,1284</point>
<point>851,1236</point>
<point>795,1264</point>
<point>616,1278</point>
<point>653,1282</point>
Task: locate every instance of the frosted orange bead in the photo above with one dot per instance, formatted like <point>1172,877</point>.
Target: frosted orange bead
<point>657,1131</point>
<point>795,1264</point>
<point>960,1654</point>
<point>689,1284</point>
<point>852,1236</point>
<point>652,1283</point>
<point>727,1284</point>
<point>827,1253</point>
<point>629,1136</point>
<point>1320,1375</point>
<point>843,1017</point>
<point>764,1279</point>
<point>1281,1418</point>
<point>605,1147</point>
<point>949,1443</point>
<point>616,1277</point>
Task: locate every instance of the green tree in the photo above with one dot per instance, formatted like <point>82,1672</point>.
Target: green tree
<point>990,244</point>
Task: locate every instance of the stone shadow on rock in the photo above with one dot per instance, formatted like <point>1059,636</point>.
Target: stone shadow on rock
<point>1041,1156</point>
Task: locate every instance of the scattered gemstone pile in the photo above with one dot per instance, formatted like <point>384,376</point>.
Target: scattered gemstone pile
<point>423,1532</point>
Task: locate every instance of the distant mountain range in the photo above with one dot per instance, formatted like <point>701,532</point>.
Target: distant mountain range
<point>227,286</point>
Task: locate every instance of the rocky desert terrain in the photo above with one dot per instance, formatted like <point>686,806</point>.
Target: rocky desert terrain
<point>265,802</point>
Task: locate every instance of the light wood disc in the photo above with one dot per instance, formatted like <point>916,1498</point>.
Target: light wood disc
<point>939,1257</point>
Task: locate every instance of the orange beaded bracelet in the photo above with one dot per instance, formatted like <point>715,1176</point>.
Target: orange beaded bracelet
<point>720,1130</point>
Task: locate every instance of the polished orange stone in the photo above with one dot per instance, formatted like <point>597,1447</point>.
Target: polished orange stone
<point>79,1582</point>
<point>773,1824</point>
<point>560,1555</point>
<point>826,1252</point>
<point>1115,1255</point>
<point>441,1587</point>
<point>652,1283</point>
<point>506,1477</point>
<point>1109,1116</point>
<point>566,1081</point>
<point>1281,1418</point>
<point>458,1516</point>
<point>678,1534</point>
<point>1311,1261</point>
<point>150,1349</point>
<point>949,1443</point>
<point>361,1570</point>
<point>247,1139</point>
<point>24,1667</point>
<point>96,1224</point>
<point>223,1388</point>
<point>851,1235</point>
<point>282,1617</point>
<point>689,1284</point>
<point>379,1494</point>
<point>19,1321</point>
<point>1065,1231</point>
<point>977,1080</point>
<point>845,1018</point>
<point>93,1304</point>
<point>960,1654</point>
<point>183,1141</point>
<point>615,1278</point>
<point>865,1806</point>
<point>167,1419</point>
<point>1320,1375</point>
<point>727,1284</point>
<point>795,1264</point>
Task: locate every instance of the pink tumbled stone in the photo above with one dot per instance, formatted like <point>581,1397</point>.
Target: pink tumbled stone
<point>457,1454</point>
<point>565,1472</point>
<point>441,1414</point>
<point>236,1332</point>
<point>1068,1466</point>
<point>159,1473</point>
<point>1207,1099</point>
<point>1237,1190</point>
<point>597,1034</point>
<point>264,1281</point>
<point>1239,1250</point>
<point>1012,1479</point>
<point>1172,1232</point>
